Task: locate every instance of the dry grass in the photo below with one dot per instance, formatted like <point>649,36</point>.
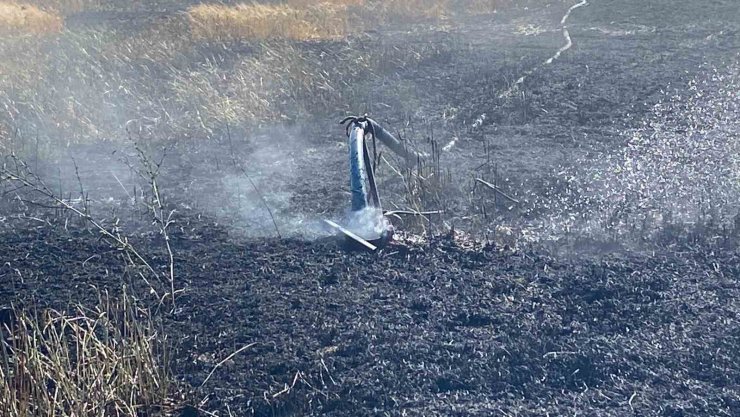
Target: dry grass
<point>413,9</point>
<point>259,21</point>
<point>173,86</point>
<point>318,19</point>
<point>81,86</point>
<point>309,3</point>
<point>17,18</point>
<point>107,361</point>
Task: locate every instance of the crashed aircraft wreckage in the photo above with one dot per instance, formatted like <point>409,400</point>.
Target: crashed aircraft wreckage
<point>367,225</point>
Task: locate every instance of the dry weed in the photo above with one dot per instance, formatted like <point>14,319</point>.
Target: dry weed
<point>309,3</point>
<point>17,18</point>
<point>108,360</point>
<point>259,21</point>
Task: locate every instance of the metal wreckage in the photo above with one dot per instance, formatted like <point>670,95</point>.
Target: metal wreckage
<point>367,225</point>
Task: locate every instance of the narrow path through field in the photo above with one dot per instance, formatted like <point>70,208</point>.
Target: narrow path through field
<point>548,61</point>
<point>514,86</point>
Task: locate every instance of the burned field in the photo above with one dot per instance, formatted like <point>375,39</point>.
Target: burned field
<point>602,278</point>
<point>449,328</point>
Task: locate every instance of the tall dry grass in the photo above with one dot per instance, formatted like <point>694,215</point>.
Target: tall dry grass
<point>412,9</point>
<point>92,84</point>
<point>105,361</point>
<point>319,19</point>
<point>309,3</point>
<point>262,21</point>
<point>18,18</point>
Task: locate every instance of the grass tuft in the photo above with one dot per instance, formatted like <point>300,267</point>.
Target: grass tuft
<point>105,361</point>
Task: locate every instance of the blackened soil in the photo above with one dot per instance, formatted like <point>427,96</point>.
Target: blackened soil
<point>443,328</point>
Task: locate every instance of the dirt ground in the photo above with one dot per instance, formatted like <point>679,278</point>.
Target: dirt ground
<point>455,325</point>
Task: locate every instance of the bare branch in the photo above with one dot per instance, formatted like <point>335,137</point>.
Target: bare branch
<point>254,186</point>
<point>23,176</point>
<point>497,190</point>
<point>218,365</point>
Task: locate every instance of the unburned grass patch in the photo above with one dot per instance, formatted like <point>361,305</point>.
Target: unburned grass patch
<point>18,18</point>
<point>107,360</point>
<point>261,21</point>
<point>319,19</point>
<point>305,3</point>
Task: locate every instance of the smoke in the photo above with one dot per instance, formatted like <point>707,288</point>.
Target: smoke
<point>263,192</point>
<point>257,185</point>
<point>369,223</point>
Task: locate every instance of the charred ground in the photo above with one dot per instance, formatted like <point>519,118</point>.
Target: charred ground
<point>451,327</point>
<point>445,325</point>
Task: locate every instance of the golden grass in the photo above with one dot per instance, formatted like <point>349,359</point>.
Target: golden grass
<point>17,18</point>
<point>260,21</point>
<point>308,3</point>
<point>53,84</point>
<point>105,361</point>
<point>318,19</point>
